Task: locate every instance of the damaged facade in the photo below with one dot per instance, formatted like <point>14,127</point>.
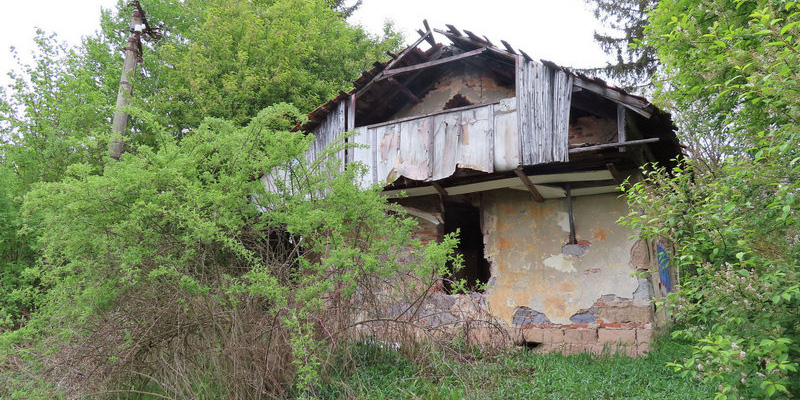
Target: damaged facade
<point>524,159</point>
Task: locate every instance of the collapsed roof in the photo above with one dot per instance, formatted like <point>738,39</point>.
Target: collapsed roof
<point>380,95</point>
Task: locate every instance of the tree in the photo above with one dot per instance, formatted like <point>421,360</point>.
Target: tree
<point>217,58</point>
<point>636,61</point>
<point>734,222</point>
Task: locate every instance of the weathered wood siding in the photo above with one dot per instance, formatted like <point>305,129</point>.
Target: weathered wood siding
<point>430,148</point>
<point>328,131</point>
<point>543,101</point>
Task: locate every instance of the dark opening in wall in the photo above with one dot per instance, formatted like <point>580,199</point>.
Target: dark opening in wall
<point>457,101</point>
<point>467,220</point>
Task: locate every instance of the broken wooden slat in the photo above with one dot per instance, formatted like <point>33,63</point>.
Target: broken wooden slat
<point>528,184</point>
<point>508,47</point>
<point>474,37</point>
<point>527,57</point>
<point>430,35</point>
<point>612,145</point>
<point>453,30</point>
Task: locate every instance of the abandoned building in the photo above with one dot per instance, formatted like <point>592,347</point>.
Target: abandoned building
<point>525,159</point>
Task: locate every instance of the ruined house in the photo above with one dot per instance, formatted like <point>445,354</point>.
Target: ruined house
<point>525,159</point>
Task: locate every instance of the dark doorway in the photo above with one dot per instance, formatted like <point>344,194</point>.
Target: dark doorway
<point>466,219</point>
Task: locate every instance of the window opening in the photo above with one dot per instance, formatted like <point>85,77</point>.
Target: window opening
<point>466,219</point>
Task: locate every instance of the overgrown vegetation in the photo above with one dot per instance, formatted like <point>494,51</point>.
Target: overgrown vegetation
<point>174,273</point>
<point>731,75</point>
<point>375,373</point>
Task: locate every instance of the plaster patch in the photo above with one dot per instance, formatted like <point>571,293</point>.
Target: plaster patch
<point>562,219</point>
<point>559,263</point>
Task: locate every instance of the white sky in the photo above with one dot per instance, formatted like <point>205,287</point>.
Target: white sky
<point>555,30</point>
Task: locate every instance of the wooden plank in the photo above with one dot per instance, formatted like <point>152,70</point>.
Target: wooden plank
<point>637,105</point>
<point>440,112</point>
<point>528,184</point>
<point>621,135</point>
<point>508,47</point>
<point>363,154</point>
<point>388,141</point>
<point>406,91</point>
<point>615,173</point>
<point>429,35</point>
<point>351,114</point>
<point>473,144</point>
<point>506,140</point>
<point>390,65</point>
<point>402,70</point>
<point>612,145</point>
<point>538,180</point>
<point>412,158</point>
<point>453,30</point>
<point>446,131</point>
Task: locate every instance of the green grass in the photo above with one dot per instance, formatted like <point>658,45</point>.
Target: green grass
<point>518,374</point>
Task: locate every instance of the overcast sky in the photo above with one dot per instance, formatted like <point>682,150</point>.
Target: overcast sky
<point>555,30</point>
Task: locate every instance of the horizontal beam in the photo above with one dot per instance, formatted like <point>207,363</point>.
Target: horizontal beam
<point>547,192</point>
<point>613,145</point>
<point>634,104</point>
<point>402,70</point>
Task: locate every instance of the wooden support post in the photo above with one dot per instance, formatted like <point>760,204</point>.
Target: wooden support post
<point>528,184</point>
<point>572,238</point>
<point>615,173</point>
<point>440,189</point>
<point>119,125</point>
<point>621,132</point>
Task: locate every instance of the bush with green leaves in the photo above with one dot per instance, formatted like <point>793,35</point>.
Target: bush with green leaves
<point>733,221</point>
<point>176,272</point>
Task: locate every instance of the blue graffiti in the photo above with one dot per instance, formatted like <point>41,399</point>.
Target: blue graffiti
<point>663,266</point>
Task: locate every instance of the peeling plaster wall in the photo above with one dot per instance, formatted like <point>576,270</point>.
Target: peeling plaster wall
<point>474,85</point>
<point>524,242</point>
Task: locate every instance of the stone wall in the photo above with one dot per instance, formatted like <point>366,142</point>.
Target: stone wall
<point>542,292</point>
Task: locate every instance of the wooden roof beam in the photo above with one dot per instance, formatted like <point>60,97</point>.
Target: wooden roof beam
<point>636,105</point>
<point>528,184</point>
<point>391,72</point>
<point>406,91</point>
